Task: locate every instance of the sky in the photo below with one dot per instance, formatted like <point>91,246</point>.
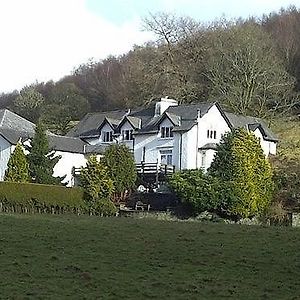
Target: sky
<point>45,40</point>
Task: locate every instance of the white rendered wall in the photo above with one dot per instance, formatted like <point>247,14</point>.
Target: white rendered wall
<point>267,146</point>
<point>153,144</point>
<point>5,151</point>
<point>196,137</point>
<point>66,163</point>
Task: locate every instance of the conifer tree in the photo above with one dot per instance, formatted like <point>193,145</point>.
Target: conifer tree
<point>121,169</point>
<point>242,165</point>
<point>97,185</point>
<point>41,159</point>
<point>17,167</point>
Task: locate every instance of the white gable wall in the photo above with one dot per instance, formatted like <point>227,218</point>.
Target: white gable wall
<point>126,126</point>
<point>196,137</point>
<point>5,151</point>
<point>267,146</point>
<point>66,163</point>
<point>212,120</point>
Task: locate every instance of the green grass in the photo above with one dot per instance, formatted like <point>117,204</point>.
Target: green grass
<point>69,257</point>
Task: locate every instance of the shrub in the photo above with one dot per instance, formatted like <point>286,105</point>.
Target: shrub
<point>241,165</point>
<point>195,189</point>
<point>96,184</point>
<point>17,167</point>
<point>121,169</point>
<point>40,196</point>
<point>105,208</point>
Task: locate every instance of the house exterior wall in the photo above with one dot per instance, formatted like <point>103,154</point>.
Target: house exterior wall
<point>5,151</point>
<point>150,146</point>
<point>66,163</point>
<point>213,121</point>
<point>196,137</point>
<point>268,147</point>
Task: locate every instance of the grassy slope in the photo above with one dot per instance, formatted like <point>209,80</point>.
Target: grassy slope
<point>55,257</point>
<point>288,132</point>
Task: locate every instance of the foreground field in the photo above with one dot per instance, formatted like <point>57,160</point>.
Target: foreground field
<point>55,257</point>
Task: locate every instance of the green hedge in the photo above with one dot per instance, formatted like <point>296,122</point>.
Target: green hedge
<point>29,197</point>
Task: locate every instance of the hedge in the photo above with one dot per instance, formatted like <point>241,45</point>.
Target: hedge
<point>30,197</point>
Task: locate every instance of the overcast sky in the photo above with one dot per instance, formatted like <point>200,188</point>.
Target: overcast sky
<point>46,39</point>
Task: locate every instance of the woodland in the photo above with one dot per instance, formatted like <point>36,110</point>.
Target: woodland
<point>250,66</point>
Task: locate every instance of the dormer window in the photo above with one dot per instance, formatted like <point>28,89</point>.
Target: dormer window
<point>107,136</point>
<point>212,134</point>
<point>166,132</point>
<point>127,135</point>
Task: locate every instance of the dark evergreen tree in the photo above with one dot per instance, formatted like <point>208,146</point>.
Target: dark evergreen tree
<point>42,159</point>
<point>17,167</point>
<point>121,169</point>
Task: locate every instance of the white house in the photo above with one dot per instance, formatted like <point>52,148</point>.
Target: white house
<point>73,151</point>
<point>184,136</point>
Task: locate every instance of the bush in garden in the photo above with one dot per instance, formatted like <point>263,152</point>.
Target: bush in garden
<point>97,185</point>
<point>17,167</point>
<point>121,169</point>
<point>195,189</point>
<point>106,208</point>
<point>241,163</point>
<point>41,196</point>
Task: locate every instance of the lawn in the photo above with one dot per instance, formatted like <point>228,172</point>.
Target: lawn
<point>61,257</point>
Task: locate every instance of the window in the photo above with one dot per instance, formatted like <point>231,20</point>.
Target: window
<point>166,132</point>
<point>107,136</point>
<point>166,157</point>
<point>212,134</point>
<point>127,135</point>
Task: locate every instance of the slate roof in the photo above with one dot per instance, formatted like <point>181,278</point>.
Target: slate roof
<point>89,125</point>
<point>13,136</point>
<point>183,117</point>
<point>10,120</point>
<point>14,128</point>
<point>251,123</point>
<point>66,144</point>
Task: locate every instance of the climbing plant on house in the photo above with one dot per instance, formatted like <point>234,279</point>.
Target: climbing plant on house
<point>17,167</point>
<point>42,159</point>
<point>121,169</point>
<point>242,165</point>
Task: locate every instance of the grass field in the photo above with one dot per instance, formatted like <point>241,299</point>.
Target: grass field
<point>69,257</point>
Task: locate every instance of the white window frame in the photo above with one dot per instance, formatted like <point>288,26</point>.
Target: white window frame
<point>166,157</point>
<point>127,134</point>
<point>166,132</point>
<point>107,136</point>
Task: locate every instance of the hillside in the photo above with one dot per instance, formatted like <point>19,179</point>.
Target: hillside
<point>288,132</point>
<point>60,257</point>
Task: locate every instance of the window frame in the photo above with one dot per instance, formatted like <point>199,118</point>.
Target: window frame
<point>107,136</point>
<point>166,132</point>
<point>166,157</point>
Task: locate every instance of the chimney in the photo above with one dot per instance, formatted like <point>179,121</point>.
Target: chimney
<point>162,105</point>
